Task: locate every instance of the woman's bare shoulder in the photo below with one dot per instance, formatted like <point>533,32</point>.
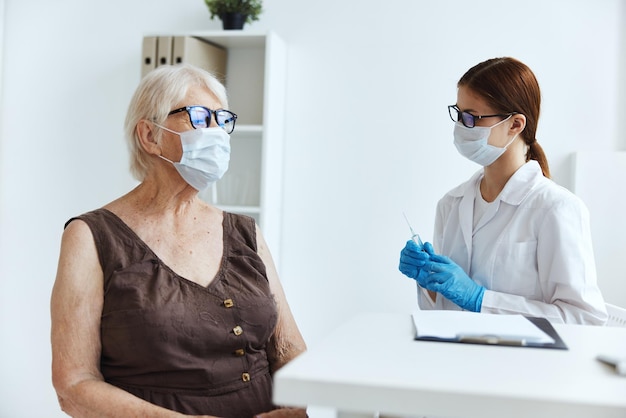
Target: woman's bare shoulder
<point>78,253</point>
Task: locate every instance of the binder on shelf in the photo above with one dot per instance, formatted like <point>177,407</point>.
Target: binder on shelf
<point>164,50</point>
<point>211,57</point>
<point>149,54</point>
<point>489,329</point>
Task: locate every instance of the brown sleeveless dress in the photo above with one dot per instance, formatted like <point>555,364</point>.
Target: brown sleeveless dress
<point>192,349</point>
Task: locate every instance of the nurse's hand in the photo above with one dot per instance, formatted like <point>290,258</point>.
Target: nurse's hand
<point>413,258</point>
<point>449,279</point>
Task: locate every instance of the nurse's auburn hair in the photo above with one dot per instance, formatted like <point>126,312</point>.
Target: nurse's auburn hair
<point>508,85</point>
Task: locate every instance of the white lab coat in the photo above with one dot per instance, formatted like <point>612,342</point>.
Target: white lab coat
<point>531,250</point>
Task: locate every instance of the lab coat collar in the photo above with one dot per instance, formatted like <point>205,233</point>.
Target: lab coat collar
<point>515,190</point>
<point>521,183</point>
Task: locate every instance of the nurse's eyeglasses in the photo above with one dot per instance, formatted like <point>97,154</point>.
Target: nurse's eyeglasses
<point>469,120</point>
<point>200,117</point>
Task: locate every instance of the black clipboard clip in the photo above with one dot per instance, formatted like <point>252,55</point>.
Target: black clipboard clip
<point>492,340</point>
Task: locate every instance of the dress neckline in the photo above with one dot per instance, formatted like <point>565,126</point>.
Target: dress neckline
<point>219,275</point>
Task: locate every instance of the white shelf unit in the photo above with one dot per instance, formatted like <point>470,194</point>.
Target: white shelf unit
<point>255,82</point>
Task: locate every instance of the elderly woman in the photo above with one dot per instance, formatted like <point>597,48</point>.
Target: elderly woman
<point>163,305</point>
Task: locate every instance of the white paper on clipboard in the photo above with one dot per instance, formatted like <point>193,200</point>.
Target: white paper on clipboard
<point>455,325</point>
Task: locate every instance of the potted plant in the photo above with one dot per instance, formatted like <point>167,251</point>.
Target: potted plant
<point>234,13</point>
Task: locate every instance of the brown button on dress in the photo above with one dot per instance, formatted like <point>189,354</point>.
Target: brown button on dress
<point>169,340</point>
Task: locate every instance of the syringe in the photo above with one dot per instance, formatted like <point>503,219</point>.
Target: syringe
<point>420,244</point>
<point>413,234</point>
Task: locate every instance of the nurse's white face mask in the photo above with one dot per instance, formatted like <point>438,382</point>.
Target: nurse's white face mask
<point>472,143</point>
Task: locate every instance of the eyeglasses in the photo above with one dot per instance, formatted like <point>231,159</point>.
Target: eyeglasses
<point>200,117</point>
<point>469,120</point>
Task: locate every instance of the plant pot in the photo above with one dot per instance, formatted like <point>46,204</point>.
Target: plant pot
<point>233,20</point>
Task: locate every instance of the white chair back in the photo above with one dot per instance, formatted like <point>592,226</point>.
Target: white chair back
<point>617,316</point>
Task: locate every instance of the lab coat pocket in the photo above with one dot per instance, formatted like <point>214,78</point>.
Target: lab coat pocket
<point>515,269</point>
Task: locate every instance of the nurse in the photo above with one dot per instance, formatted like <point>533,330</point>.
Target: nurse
<point>509,240</point>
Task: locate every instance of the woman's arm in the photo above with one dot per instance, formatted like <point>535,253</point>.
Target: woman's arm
<point>566,271</point>
<point>287,341</point>
<point>76,307</point>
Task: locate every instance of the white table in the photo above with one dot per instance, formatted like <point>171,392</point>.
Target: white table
<point>372,364</point>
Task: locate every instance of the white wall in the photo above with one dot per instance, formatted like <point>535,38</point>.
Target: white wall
<point>367,133</point>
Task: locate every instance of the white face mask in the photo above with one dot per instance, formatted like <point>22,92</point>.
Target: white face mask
<point>206,154</point>
<point>472,143</point>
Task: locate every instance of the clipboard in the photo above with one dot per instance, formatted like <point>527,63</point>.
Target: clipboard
<point>545,325</point>
<point>486,329</point>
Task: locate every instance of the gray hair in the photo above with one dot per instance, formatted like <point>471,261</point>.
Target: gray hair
<point>157,93</point>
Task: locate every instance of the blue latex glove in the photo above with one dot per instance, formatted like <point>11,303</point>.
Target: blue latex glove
<point>413,258</point>
<point>449,279</point>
